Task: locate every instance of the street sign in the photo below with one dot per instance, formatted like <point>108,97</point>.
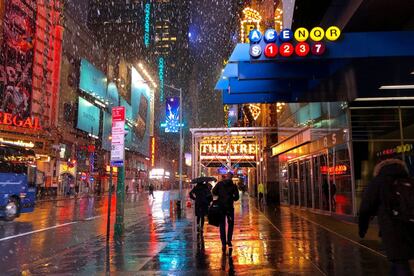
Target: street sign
<point>118,136</point>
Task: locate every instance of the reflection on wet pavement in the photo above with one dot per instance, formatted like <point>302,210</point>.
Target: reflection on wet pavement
<point>276,242</point>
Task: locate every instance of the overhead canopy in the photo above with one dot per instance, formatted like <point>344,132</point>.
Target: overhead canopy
<point>354,67</point>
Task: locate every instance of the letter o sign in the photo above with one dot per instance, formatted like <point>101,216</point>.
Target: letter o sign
<point>255,51</point>
<point>317,34</point>
<point>271,50</point>
<point>333,33</point>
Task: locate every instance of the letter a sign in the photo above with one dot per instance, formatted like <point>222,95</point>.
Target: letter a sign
<point>118,136</point>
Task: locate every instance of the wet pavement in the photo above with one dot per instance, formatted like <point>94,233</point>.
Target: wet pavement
<point>68,237</point>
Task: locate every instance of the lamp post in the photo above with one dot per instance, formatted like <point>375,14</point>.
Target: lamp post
<point>181,143</point>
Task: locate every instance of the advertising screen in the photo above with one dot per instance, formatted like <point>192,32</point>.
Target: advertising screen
<point>106,133</point>
<point>112,95</point>
<point>140,99</point>
<point>16,57</point>
<point>172,114</point>
<point>88,117</point>
<point>128,109</point>
<point>92,81</point>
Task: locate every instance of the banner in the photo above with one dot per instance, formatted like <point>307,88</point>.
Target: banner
<point>16,57</point>
<point>172,115</point>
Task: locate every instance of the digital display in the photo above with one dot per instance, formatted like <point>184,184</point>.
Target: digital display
<point>112,95</point>
<point>140,101</point>
<point>88,117</point>
<point>172,115</point>
<point>92,81</point>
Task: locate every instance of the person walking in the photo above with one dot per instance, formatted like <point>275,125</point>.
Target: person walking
<point>151,190</point>
<point>227,193</point>
<point>201,193</point>
<point>397,234</point>
<point>260,190</point>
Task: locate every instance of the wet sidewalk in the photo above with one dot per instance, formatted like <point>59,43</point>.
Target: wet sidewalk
<point>279,241</point>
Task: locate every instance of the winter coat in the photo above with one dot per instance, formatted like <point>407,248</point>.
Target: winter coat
<point>201,193</point>
<point>227,193</point>
<point>397,236</point>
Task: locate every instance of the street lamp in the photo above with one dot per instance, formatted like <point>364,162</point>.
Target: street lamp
<point>181,141</point>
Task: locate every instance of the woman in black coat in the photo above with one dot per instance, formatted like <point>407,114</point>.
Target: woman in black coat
<point>397,236</point>
<point>201,193</point>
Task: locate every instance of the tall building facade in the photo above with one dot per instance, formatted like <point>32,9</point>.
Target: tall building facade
<point>31,44</point>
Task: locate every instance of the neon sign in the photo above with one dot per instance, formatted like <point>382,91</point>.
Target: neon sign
<point>271,44</point>
<point>339,169</point>
<point>228,145</point>
<point>18,143</point>
<point>152,151</point>
<point>399,149</point>
<point>9,119</point>
<point>161,65</point>
<point>147,24</point>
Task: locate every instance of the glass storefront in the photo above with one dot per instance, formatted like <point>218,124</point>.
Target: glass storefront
<point>378,134</point>
<point>330,171</point>
<point>316,174</point>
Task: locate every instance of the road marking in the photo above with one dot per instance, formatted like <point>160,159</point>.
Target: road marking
<point>92,218</point>
<point>45,229</point>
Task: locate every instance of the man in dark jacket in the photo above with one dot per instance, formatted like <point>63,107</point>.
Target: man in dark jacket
<point>397,236</point>
<point>201,193</point>
<point>227,193</point>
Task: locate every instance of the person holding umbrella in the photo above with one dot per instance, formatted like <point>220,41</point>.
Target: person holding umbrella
<point>201,193</point>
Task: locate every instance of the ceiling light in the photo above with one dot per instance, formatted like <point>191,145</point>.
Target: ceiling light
<point>392,87</point>
<point>384,99</point>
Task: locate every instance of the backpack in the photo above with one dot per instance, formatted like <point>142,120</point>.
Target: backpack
<point>401,201</point>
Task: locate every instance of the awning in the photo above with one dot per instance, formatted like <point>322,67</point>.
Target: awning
<point>355,66</point>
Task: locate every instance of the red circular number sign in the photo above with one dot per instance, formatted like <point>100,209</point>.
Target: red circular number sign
<point>318,49</point>
<point>302,49</point>
<point>286,49</point>
<point>271,50</point>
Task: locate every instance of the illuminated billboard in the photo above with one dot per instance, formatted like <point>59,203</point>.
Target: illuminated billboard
<point>172,115</point>
<point>237,148</point>
<point>88,117</point>
<point>92,80</point>
<point>141,105</point>
<point>106,132</point>
<point>128,109</point>
<point>16,57</point>
<point>112,95</point>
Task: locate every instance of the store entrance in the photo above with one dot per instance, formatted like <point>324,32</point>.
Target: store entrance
<point>308,186</point>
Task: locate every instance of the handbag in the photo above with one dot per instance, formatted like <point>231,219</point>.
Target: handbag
<point>214,214</point>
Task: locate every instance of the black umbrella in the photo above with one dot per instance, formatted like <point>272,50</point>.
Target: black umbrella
<point>203,179</point>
